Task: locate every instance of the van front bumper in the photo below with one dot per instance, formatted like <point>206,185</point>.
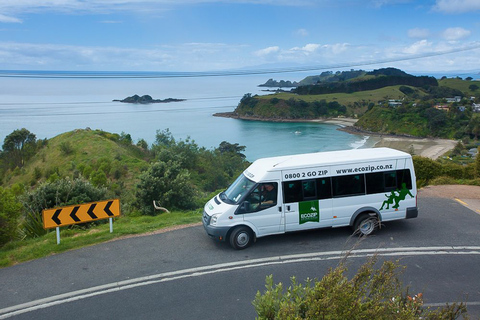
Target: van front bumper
<point>214,232</point>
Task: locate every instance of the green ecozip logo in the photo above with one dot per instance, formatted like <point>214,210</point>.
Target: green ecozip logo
<point>309,212</point>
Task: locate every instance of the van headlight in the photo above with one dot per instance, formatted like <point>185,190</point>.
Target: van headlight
<point>213,220</point>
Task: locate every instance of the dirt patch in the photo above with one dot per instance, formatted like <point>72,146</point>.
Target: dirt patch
<point>450,192</point>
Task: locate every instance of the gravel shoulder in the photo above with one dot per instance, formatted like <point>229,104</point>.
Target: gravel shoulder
<point>450,192</point>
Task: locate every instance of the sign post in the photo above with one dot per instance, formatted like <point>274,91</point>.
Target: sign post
<point>65,216</point>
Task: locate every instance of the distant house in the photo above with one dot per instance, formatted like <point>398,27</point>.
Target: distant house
<point>476,107</point>
<point>443,107</point>
<point>454,99</point>
<point>394,103</point>
<point>473,152</point>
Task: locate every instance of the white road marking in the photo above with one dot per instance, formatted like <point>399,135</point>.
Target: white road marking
<point>231,266</point>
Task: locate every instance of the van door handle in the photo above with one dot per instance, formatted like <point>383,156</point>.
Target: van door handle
<point>288,208</point>
<point>279,209</point>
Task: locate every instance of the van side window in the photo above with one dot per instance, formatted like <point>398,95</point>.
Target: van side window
<point>404,176</point>
<point>292,191</point>
<point>375,182</point>
<point>379,182</point>
<point>309,189</point>
<point>324,188</point>
<point>350,185</point>
<point>263,196</point>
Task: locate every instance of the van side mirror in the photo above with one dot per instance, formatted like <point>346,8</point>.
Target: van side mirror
<point>244,207</point>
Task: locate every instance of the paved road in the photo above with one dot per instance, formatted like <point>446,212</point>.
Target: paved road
<point>184,275</point>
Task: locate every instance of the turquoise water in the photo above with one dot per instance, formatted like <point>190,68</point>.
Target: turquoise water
<point>48,107</point>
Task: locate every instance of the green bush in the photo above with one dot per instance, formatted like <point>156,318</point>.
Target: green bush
<point>10,210</point>
<point>372,293</point>
<point>58,193</point>
<point>168,184</point>
<point>426,169</point>
<point>443,180</point>
<point>453,170</point>
<point>66,148</point>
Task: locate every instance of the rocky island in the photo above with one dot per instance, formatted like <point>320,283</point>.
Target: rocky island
<point>146,99</point>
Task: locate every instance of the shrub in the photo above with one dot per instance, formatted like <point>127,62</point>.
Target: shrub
<point>167,183</point>
<point>10,210</point>
<point>443,180</point>
<point>371,294</point>
<point>66,148</point>
<point>61,192</point>
<point>426,169</point>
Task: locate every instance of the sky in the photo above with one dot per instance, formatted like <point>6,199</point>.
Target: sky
<point>258,35</point>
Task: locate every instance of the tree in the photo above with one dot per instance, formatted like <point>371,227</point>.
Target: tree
<point>168,184</point>
<point>19,145</point>
<point>226,147</point>
<point>473,87</point>
<point>473,127</point>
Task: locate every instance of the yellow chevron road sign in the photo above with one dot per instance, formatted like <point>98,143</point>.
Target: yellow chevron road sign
<point>81,213</point>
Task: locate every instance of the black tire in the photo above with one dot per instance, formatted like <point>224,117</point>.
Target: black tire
<point>365,225</point>
<point>241,237</point>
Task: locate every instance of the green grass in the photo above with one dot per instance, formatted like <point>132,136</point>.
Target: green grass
<point>73,238</point>
<point>461,85</point>
<point>87,147</point>
<point>346,99</point>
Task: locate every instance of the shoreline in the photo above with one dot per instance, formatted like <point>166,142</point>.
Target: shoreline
<point>432,148</point>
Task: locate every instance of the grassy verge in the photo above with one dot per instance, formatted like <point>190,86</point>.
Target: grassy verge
<point>76,237</point>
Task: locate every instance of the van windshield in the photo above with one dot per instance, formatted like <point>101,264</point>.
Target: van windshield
<point>237,190</point>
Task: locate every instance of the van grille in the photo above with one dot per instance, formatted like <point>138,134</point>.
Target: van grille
<point>206,218</point>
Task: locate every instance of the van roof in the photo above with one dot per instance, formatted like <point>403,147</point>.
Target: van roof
<point>324,159</point>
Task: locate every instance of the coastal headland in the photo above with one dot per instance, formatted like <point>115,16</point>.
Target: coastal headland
<point>425,147</point>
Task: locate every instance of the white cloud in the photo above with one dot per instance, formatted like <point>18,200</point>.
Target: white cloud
<point>183,57</point>
<point>453,34</point>
<point>301,32</point>
<point>418,47</point>
<point>308,48</point>
<point>267,51</point>
<point>418,33</point>
<point>457,6</point>
<point>8,19</point>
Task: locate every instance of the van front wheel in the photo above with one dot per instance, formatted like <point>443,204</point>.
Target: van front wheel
<point>241,237</point>
<point>365,225</point>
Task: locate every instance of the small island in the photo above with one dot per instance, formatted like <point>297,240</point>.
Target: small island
<point>146,99</point>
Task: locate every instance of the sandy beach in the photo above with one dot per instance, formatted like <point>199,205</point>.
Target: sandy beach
<point>425,147</point>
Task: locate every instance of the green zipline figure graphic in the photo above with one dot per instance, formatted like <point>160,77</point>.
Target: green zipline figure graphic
<point>389,201</point>
<point>402,194</point>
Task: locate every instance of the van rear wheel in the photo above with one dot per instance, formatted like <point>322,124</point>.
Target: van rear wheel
<point>241,237</point>
<point>365,225</point>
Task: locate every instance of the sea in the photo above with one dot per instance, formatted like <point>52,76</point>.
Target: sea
<point>50,103</point>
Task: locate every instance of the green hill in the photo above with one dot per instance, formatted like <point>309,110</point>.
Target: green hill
<point>93,154</point>
<point>386,100</point>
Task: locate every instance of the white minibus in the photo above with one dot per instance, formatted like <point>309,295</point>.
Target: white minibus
<point>360,188</point>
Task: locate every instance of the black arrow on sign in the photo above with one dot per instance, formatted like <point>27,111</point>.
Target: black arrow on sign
<point>90,211</point>
<point>107,209</point>
<point>73,215</point>
<point>55,216</point>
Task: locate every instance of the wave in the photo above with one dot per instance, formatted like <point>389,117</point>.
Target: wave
<point>359,143</point>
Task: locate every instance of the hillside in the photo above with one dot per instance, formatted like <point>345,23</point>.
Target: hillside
<point>93,154</point>
<point>387,101</point>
